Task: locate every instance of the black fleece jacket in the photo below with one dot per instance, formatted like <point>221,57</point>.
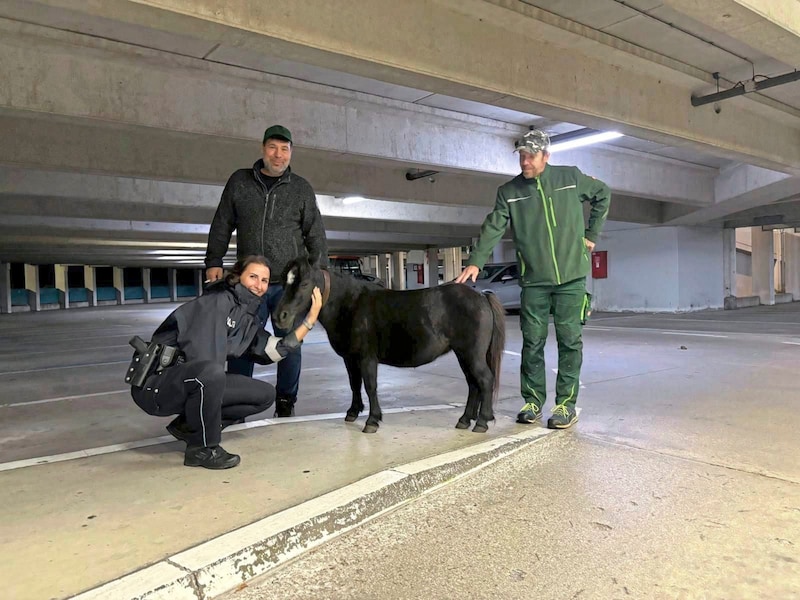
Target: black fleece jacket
<point>281,224</point>
<point>223,323</point>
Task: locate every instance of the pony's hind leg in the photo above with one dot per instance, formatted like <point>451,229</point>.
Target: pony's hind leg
<point>484,381</point>
<point>354,373</point>
<point>473,401</point>
<point>369,373</point>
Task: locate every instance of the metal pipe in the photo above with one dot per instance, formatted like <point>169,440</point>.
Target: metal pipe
<point>420,175</point>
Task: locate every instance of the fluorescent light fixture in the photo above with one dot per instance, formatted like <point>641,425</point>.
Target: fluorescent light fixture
<point>353,199</point>
<point>586,140</point>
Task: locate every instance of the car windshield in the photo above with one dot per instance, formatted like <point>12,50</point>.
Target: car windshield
<point>490,271</point>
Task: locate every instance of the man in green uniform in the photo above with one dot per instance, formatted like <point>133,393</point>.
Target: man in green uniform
<point>543,206</point>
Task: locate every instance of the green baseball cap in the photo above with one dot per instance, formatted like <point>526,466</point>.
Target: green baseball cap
<point>278,131</point>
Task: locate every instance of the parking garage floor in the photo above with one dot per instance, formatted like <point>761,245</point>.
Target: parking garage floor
<point>681,480</point>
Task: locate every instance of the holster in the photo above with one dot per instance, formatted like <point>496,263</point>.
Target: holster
<point>148,359</point>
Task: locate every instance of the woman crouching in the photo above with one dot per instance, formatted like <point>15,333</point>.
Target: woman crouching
<point>198,338</point>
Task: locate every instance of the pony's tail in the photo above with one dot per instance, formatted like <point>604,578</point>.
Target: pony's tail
<point>494,355</point>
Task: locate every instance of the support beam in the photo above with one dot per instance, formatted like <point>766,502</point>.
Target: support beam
<point>398,260</point>
<point>792,259</point>
<point>729,268</point>
<point>383,270</point>
<point>5,287</point>
<point>147,294</point>
<point>119,284</point>
<point>90,283</point>
<point>172,282</point>
<point>199,280</point>
<point>431,267</point>
<point>763,259</point>
<point>452,263</point>
<point>62,285</point>
<point>32,286</point>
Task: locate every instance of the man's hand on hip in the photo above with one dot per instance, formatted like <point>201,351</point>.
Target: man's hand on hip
<point>589,244</point>
<point>470,273</point>
<point>213,273</point>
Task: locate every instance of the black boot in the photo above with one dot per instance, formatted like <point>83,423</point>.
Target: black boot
<point>179,429</point>
<point>284,406</point>
<point>210,457</point>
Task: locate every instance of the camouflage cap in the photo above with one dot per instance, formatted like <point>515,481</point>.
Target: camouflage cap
<point>534,141</point>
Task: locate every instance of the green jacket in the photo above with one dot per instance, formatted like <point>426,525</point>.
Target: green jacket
<point>547,224</point>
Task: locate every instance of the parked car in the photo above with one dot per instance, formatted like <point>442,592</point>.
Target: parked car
<point>351,265</point>
<point>501,279</point>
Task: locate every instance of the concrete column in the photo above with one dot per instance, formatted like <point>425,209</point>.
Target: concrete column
<point>172,281</point>
<point>383,270</point>
<point>398,270</point>
<point>90,283</point>
<point>199,278</point>
<point>452,263</point>
<point>119,285</point>
<point>729,268</point>
<point>32,285</point>
<point>763,265</point>
<point>432,267</point>
<point>62,285</point>
<point>147,295</point>
<point>5,287</point>
<point>792,259</point>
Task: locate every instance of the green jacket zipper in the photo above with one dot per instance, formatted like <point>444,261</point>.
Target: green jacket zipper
<point>549,229</point>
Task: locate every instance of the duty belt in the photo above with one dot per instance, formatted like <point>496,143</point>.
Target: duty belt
<point>148,359</point>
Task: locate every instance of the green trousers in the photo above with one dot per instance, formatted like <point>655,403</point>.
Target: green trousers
<point>567,304</point>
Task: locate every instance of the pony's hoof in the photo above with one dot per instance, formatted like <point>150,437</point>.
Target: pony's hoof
<point>369,428</point>
<point>480,428</point>
<point>462,425</point>
<point>350,418</point>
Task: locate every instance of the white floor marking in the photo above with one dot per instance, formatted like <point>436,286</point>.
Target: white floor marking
<point>44,460</point>
<point>62,398</point>
<point>711,335</point>
<point>113,362</point>
<point>512,353</point>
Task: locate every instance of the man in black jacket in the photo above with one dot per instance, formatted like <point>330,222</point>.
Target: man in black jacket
<point>274,212</point>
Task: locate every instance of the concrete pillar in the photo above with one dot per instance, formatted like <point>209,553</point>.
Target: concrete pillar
<point>199,278</point>
<point>432,267</point>
<point>398,270</point>
<point>32,286</point>
<point>172,281</point>
<point>383,270</point>
<point>5,287</point>
<point>763,265</point>
<point>792,259</point>
<point>729,268</point>
<point>90,283</point>
<point>119,285</point>
<point>62,285</point>
<point>452,263</point>
<point>147,295</point>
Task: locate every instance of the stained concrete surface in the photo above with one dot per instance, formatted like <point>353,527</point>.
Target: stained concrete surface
<point>668,412</point>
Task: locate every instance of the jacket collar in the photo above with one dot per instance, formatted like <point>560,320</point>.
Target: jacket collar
<point>259,164</point>
<point>246,298</point>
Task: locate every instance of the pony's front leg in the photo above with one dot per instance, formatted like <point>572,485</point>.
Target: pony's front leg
<point>354,373</point>
<point>369,372</point>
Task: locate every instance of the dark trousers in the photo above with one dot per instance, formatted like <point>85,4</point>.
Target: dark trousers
<point>289,368</point>
<point>567,304</point>
<point>209,398</point>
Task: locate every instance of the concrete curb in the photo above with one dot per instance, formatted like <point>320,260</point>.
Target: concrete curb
<point>220,565</point>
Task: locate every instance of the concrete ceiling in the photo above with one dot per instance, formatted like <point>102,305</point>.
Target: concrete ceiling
<point>673,40</point>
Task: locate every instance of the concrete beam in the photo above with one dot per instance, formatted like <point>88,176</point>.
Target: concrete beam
<point>230,103</point>
<point>739,188</point>
<point>770,27</point>
<point>460,49</point>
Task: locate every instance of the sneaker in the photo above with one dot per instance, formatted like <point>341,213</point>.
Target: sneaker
<point>179,429</point>
<point>284,407</point>
<point>530,413</point>
<point>563,416</point>
<point>210,457</point>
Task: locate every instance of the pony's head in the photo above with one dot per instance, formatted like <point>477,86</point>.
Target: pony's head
<point>298,281</point>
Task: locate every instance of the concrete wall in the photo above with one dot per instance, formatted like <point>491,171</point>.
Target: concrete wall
<point>660,269</point>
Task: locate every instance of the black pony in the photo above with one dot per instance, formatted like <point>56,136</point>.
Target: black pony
<point>367,325</point>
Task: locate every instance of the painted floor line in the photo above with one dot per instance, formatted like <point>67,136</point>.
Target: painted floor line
<point>46,460</point>
<point>512,353</point>
<point>113,362</point>
<point>711,335</point>
<point>792,343</point>
<point>63,398</point>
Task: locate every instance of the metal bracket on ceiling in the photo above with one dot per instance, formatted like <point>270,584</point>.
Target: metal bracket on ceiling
<point>745,87</point>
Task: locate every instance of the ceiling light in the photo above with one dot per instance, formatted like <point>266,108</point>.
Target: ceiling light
<point>353,199</point>
<point>585,140</point>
